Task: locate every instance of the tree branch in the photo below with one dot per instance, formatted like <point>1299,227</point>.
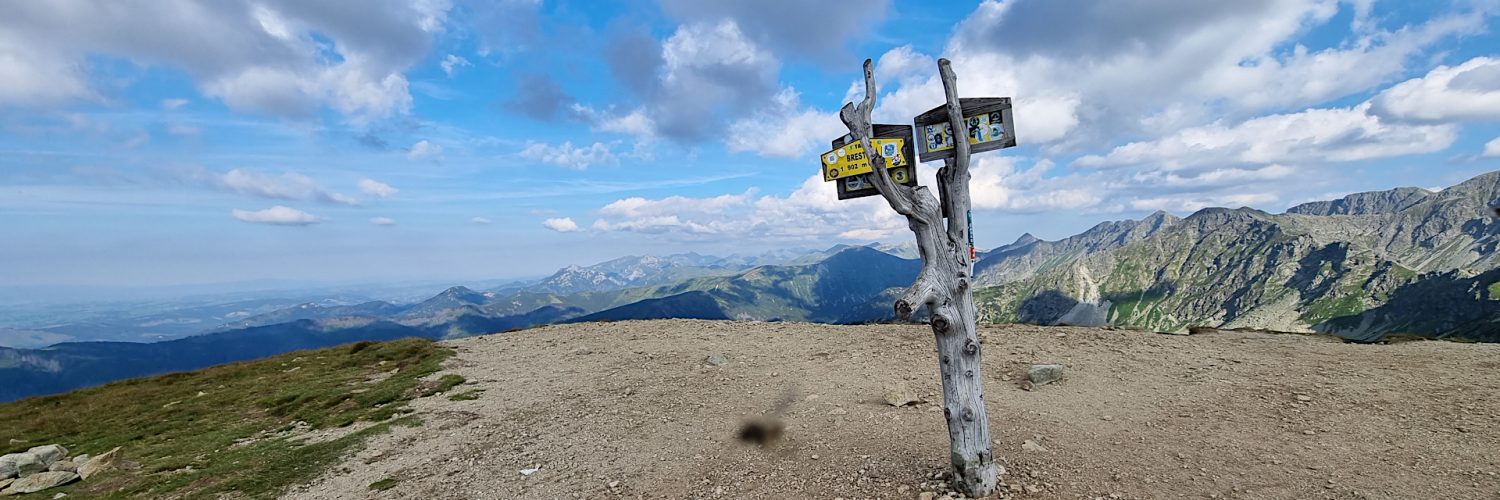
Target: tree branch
<point>902,199</point>
<point>956,198</point>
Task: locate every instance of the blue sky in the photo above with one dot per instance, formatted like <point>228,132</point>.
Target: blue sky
<point>198,142</point>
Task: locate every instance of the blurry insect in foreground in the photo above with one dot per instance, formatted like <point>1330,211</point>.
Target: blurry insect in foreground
<point>1495,207</point>
<point>767,430</point>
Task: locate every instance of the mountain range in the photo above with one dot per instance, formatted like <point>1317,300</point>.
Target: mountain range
<point>1403,261</point>
<point>841,284</point>
<point>1365,266</point>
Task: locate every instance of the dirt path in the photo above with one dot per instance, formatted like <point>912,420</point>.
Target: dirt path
<point>629,410</point>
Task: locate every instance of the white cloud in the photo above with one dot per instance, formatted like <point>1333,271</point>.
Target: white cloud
<point>281,57</point>
<point>376,188</point>
<point>173,104</point>
<point>1314,135</point>
<point>1083,73</point>
<point>638,207</point>
<point>812,213</point>
<point>997,184</point>
<point>798,28</point>
<point>287,186</point>
<point>567,156</point>
<point>424,150</point>
<point>278,215</point>
<point>36,76</point>
<point>561,225</point>
<point>479,220</point>
<point>707,73</point>
<point>866,234</point>
<point>383,221</point>
<point>1188,203</point>
<point>1492,148</point>
<point>634,123</point>
<point>784,129</point>
<point>1469,91</point>
<point>452,63</point>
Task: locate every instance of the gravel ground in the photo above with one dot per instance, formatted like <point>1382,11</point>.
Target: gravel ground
<point>631,410</point>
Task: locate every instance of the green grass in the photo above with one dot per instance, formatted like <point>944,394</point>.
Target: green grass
<point>447,382</point>
<point>383,484</point>
<point>466,395</point>
<point>225,430</point>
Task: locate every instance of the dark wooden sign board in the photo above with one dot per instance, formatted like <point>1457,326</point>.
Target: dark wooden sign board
<point>859,186</point>
<point>989,125</point>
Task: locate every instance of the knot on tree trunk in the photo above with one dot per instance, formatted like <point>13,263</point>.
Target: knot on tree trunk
<point>939,324</point>
<point>903,310</point>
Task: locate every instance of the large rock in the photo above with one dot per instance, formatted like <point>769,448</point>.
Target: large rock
<point>63,465</point>
<point>101,463</point>
<point>40,481</point>
<point>4,483</point>
<point>28,464</point>
<point>1044,374</point>
<point>716,359</point>
<point>49,453</point>
<point>901,395</point>
<point>8,466</point>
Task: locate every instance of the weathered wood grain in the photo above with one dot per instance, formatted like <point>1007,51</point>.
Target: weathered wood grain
<point>942,286</point>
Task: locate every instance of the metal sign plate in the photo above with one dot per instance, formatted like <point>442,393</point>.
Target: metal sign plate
<point>989,127</point>
<point>850,160</point>
<point>859,185</point>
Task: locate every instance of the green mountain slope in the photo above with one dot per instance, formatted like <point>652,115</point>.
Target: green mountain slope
<point>1325,266</point>
<point>235,431</point>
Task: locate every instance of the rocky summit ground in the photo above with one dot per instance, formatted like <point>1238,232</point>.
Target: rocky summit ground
<point>632,410</point>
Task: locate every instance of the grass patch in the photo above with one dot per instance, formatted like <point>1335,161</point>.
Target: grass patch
<point>448,381</point>
<point>383,484</point>
<point>466,395</point>
<point>230,428</point>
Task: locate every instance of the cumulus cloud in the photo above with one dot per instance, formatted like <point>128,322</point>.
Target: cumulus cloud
<point>383,221</point>
<point>1314,135</point>
<point>539,97</point>
<point>1469,91</point>
<point>282,57</point>
<point>1222,105</point>
<point>376,188</point>
<point>278,215</point>
<point>567,156</point>
<point>561,225</point>
<point>817,31</point>
<point>633,55</point>
<point>810,213</point>
<point>785,129</point>
<point>479,220</point>
<point>710,70</point>
<point>1151,68</point>
<point>707,74</point>
<point>452,63</point>
<point>424,150</point>
<point>1492,148</point>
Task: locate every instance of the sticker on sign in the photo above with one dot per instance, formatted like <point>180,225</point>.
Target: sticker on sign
<point>988,126</point>
<point>851,160</point>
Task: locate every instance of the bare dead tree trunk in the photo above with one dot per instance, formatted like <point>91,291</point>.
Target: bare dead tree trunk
<point>943,284</point>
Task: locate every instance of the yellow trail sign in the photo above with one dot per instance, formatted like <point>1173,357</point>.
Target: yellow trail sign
<point>850,160</point>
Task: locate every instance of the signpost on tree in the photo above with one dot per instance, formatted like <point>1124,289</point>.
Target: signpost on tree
<point>946,248</point>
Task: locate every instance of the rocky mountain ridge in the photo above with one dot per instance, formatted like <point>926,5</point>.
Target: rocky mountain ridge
<point>1322,266</point>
